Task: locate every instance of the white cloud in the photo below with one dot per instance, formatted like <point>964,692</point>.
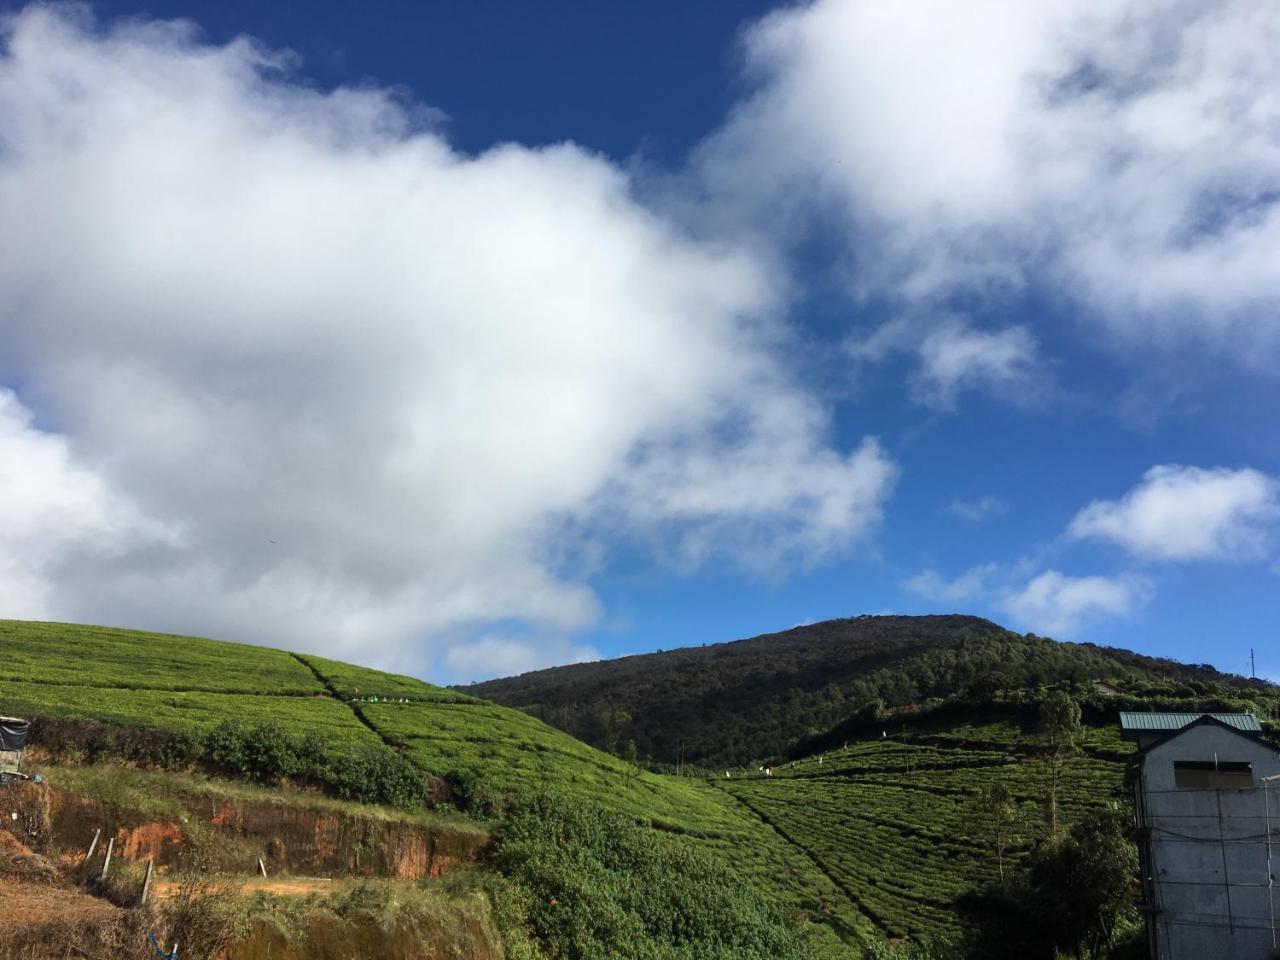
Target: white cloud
<point>54,515</point>
<point>1055,604</point>
<point>477,659</point>
<point>1124,156</point>
<point>973,584</point>
<point>1188,513</point>
<point>953,356</point>
<point>975,511</point>
<point>256,312</point>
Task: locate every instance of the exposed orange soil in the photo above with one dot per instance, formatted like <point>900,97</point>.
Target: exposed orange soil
<point>148,841</point>
<point>11,844</point>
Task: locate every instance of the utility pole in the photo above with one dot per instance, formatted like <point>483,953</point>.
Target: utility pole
<point>1253,665</point>
<point>1271,874</point>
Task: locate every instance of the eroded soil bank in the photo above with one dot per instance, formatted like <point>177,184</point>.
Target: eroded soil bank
<point>291,833</point>
<point>344,881</point>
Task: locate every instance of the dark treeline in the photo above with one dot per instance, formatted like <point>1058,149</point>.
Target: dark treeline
<point>734,703</point>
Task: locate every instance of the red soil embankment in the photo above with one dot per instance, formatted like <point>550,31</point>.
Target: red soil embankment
<point>288,835</point>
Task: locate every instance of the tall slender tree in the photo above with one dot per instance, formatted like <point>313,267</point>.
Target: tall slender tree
<point>1059,733</point>
<point>998,810</point>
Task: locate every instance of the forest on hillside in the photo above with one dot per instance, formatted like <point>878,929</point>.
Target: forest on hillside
<point>734,703</point>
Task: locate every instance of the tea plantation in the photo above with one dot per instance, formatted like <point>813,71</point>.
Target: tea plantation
<point>225,699</point>
<point>896,821</point>
<point>872,839</point>
<point>498,756</point>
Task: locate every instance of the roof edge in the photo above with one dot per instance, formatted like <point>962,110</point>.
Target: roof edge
<point>1203,720</point>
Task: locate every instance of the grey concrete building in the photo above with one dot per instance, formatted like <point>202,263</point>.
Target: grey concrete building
<point>1207,811</point>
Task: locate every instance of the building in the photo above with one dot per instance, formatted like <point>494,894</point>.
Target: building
<point>13,739</point>
<point>1207,812</point>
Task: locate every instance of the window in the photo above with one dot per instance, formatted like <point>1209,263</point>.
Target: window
<point>1212,774</point>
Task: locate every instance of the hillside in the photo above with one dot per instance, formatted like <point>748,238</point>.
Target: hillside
<point>733,703</point>
<point>876,831</point>
<point>897,820</point>
<point>165,702</point>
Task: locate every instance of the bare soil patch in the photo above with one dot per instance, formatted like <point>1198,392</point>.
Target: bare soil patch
<point>29,904</point>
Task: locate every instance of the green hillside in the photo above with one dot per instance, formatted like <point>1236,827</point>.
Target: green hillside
<point>897,821</point>
<point>181,701</point>
<point>876,831</point>
<point>739,702</point>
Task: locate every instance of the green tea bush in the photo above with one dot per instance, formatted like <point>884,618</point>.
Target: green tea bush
<point>587,884</point>
<point>267,753</point>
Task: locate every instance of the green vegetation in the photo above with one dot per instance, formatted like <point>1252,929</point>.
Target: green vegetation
<point>349,682</point>
<point>183,711</point>
<point>381,743</point>
<point>768,697</point>
<point>157,795</point>
<point>585,886</point>
<point>1060,728</point>
<point>1076,898</point>
<point>63,653</point>
<point>498,759</point>
<point>935,782</point>
<point>376,918</point>
<point>895,820</point>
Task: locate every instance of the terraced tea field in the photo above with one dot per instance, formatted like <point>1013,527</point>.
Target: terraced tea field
<point>189,685</point>
<point>502,752</point>
<point>361,684</point>
<point>60,653</point>
<point>156,681</point>
<point>880,836</point>
<point>183,711</point>
<point>897,824</point>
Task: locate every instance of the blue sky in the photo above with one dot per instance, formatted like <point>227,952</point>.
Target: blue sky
<point>469,338</point>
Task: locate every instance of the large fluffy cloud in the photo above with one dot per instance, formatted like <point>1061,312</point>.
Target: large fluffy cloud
<point>1120,157</point>
<point>1188,513</point>
<point>53,515</point>
<point>305,374</point>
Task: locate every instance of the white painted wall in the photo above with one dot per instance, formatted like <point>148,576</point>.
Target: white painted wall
<point>1208,850</point>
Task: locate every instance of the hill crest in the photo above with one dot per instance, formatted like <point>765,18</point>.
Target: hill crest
<point>741,701</point>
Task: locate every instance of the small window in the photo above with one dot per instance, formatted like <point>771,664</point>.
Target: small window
<point>1212,774</point>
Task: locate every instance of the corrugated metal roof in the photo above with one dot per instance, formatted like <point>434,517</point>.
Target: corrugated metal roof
<point>1176,721</point>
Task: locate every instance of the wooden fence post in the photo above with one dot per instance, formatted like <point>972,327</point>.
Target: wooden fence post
<point>146,884</point>
<point>262,869</point>
<point>111,843</point>
<point>93,845</point>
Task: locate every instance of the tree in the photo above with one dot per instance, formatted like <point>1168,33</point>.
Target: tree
<point>1069,902</point>
<point>1085,882</point>
<point>1059,730</point>
<point>612,723</point>
<point>997,808</point>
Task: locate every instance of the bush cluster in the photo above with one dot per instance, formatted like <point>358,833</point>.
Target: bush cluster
<point>580,884</point>
<point>260,752</point>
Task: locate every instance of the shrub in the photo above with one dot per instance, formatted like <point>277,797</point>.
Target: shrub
<point>588,884</point>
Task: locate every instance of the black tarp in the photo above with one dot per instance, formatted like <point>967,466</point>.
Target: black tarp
<point>13,734</point>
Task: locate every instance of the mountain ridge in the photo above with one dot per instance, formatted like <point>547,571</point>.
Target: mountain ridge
<point>739,701</point>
